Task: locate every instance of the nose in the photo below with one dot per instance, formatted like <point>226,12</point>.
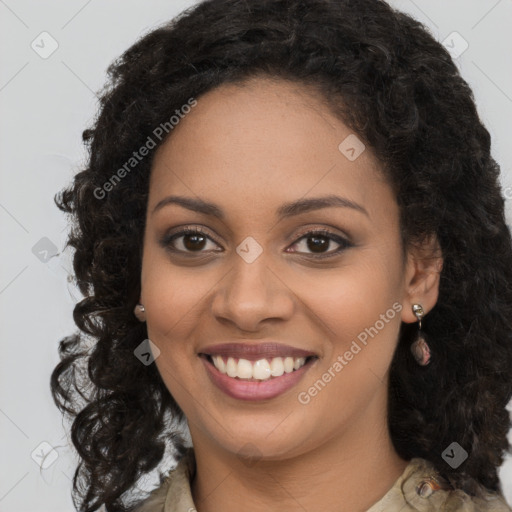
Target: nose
<point>252,294</point>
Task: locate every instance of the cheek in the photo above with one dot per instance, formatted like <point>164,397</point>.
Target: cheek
<point>173,299</point>
<point>172,295</point>
<point>357,308</point>
<point>358,313</point>
<point>352,297</point>
<point>173,302</point>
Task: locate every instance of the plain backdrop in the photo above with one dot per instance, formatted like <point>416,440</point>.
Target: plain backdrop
<point>46,101</point>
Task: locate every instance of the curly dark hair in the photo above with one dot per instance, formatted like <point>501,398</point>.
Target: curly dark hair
<point>386,77</point>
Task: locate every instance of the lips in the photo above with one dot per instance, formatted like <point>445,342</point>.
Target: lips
<point>254,352</point>
<point>250,390</point>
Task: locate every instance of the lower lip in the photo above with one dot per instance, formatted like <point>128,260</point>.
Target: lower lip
<point>252,390</point>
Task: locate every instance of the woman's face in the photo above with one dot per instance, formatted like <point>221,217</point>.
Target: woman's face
<point>254,275</point>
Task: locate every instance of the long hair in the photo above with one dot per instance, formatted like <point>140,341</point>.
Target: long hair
<point>385,76</point>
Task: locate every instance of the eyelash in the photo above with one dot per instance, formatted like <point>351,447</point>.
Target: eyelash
<point>168,240</point>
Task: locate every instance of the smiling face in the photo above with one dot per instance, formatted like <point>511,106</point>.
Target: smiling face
<point>312,276</point>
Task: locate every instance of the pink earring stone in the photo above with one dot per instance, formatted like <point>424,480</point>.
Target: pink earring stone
<point>421,351</point>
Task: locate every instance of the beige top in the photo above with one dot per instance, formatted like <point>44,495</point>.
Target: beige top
<point>418,489</point>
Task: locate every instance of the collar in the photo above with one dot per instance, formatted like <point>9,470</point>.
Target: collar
<point>419,488</point>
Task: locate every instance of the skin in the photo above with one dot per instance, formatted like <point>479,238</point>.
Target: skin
<point>250,148</point>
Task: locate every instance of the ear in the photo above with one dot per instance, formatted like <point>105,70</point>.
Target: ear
<point>422,274</point>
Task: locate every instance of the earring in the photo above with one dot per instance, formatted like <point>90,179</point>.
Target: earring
<point>419,348</point>
<point>139,311</point>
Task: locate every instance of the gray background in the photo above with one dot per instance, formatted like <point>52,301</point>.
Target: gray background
<point>45,105</point>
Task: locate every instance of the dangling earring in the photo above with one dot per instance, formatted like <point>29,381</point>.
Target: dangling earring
<point>419,348</point>
<point>139,312</point>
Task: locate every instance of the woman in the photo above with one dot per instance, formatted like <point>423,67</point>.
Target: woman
<point>290,234</point>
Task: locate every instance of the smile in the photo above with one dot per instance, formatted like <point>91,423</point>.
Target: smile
<point>256,380</point>
<point>262,369</point>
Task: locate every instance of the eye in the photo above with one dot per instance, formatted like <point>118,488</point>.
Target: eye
<point>317,241</point>
<point>188,240</point>
<point>194,240</point>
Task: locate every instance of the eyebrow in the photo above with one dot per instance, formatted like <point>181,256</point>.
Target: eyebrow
<point>284,211</point>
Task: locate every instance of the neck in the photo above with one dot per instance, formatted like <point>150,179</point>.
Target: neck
<point>345,474</point>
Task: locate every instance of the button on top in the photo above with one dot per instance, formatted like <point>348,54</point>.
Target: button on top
<point>427,487</point>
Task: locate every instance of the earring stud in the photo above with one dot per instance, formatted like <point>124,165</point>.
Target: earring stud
<point>139,312</point>
<point>419,348</point>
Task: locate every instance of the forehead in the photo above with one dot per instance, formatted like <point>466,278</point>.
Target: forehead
<point>260,141</point>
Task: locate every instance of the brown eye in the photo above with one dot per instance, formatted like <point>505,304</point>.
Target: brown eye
<point>187,241</point>
<point>194,242</point>
<point>318,243</point>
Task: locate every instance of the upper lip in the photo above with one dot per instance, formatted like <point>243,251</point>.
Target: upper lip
<point>254,352</point>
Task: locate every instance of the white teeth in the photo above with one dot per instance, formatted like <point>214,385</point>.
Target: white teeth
<point>219,363</point>
<point>299,362</point>
<point>244,369</point>
<point>277,367</point>
<point>231,367</point>
<point>259,370</point>
<point>288,364</point>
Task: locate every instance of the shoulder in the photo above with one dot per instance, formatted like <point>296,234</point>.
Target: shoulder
<point>422,489</point>
<point>174,494</point>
